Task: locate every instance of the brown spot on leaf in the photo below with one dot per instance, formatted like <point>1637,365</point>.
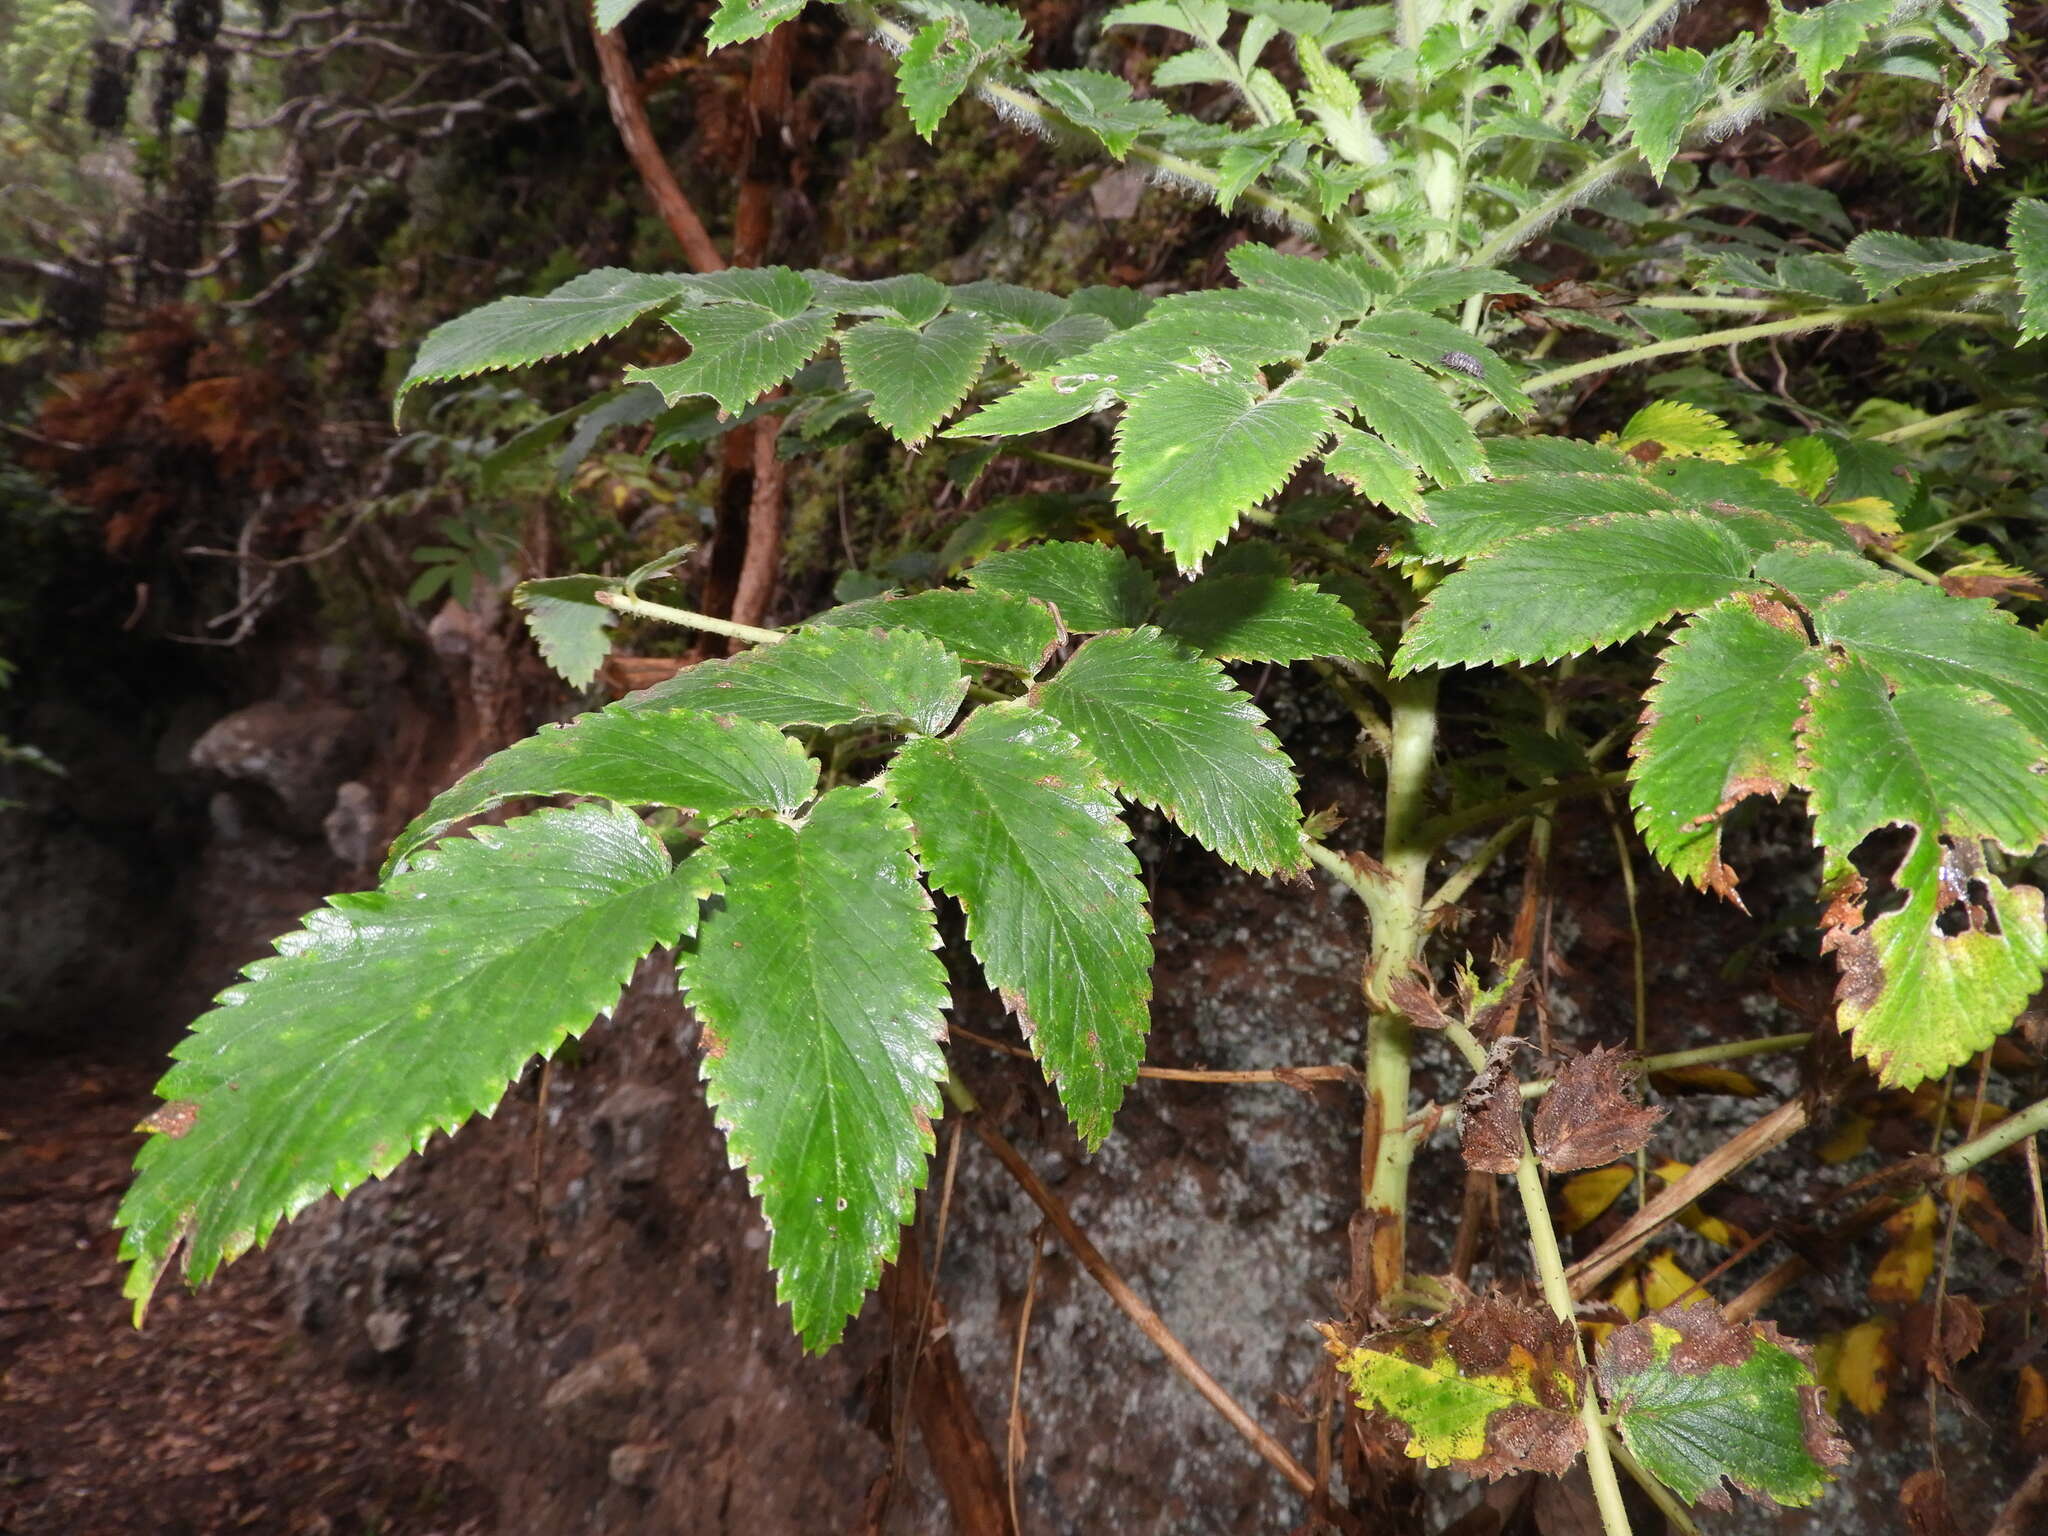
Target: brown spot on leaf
<point>1776,614</point>
<point>1647,452</point>
<point>713,1043</point>
<point>1589,1117</point>
<point>1491,1112</point>
<point>174,1119</point>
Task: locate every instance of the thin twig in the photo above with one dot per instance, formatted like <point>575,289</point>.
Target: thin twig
<point>1286,1075</point>
<point>629,116</point>
<point>1127,1300</point>
<point>639,607</point>
<point>1752,1142</point>
<point>1013,1433</point>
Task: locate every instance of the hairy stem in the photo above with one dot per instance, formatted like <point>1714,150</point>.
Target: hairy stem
<point>1398,930</point>
<point>640,608</point>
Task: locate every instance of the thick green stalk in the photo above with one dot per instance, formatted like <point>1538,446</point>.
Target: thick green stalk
<point>1397,934</point>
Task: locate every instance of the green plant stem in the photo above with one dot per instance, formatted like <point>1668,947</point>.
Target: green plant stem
<point>1340,869</point>
<point>2009,1132</point>
<point>1665,1500</point>
<point>1557,1291</point>
<point>1616,52</point>
<point>1941,423</point>
<point>1398,930</point>
<point>1574,191</point>
<point>1460,879</point>
<point>1833,315</point>
<point>1058,461</point>
<point>1446,827</point>
<point>640,608</point>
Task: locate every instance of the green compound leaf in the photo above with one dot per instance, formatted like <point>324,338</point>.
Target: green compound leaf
<point>916,376</point>
<point>1491,1389</point>
<point>1040,404</point>
<point>1914,634</point>
<point>1926,986</point>
<point>1101,104</point>
<point>1575,589</point>
<point>710,765</point>
<point>2027,232</point>
<point>1094,586</point>
<point>992,627</point>
<point>947,53</point>
<point>741,21</point>
<point>1337,290</point>
<point>1211,333</point>
<point>1172,731</point>
<point>821,996</point>
<point>567,623</point>
<point>738,352</point>
<point>1255,617</point>
<point>1375,471</point>
<point>512,333</point>
<point>910,297</point>
<point>1720,725</point>
<point>1665,87</point>
<point>1398,401</point>
<point>389,1016</point>
<point>1700,1400</point>
<point>823,677</point>
<point>1811,576</point>
<point>1193,455</point>
<point>1824,38</point>
<point>1444,349</point>
<point>1885,261</point>
<point>1055,342</point>
<point>1015,822</point>
<point>1029,309</point>
<point>1470,520</point>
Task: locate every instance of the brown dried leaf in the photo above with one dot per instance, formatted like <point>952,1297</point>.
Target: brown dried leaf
<point>1902,1273</point>
<point>1707,1079</point>
<point>1414,998</point>
<point>1492,1114</point>
<point>1938,1352</point>
<point>1924,1498</point>
<point>1588,1117</point>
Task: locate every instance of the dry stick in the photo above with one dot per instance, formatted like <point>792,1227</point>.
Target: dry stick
<point>629,115</point>
<point>1287,1075</point>
<point>1128,1301</point>
<point>1759,1137</point>
<point>2010,1131</point>
<point>1013,1432</point>
<point>2013,1519</point>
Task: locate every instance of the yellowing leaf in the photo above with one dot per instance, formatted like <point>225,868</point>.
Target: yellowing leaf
<point>1856,1366</point>
<point>1851,1139</point>
<point>1901,1275</point>
<point>1492,1388</point>
<point>2032,1400</point>
<point>1707,1079</point>
<point>1673,429</point>
<point>1665,1281</point>
<point>1873,512</point>
<point>1582,1197</point>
